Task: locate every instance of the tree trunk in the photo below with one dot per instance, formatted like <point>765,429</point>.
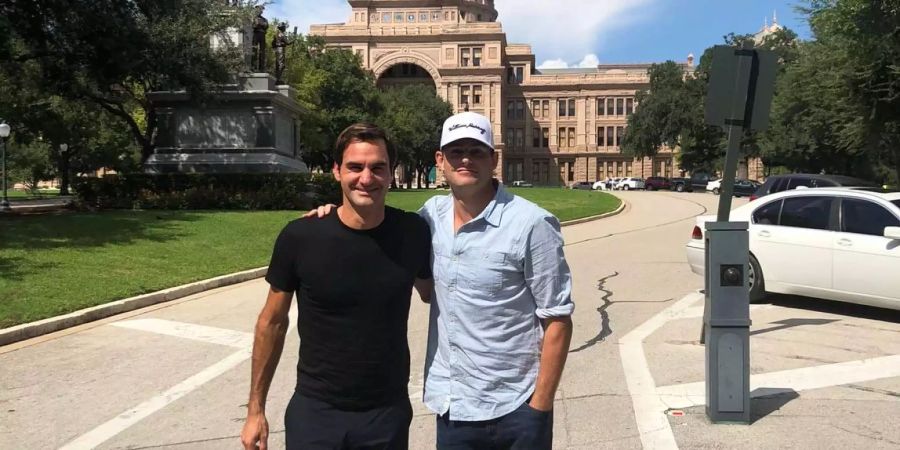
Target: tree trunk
<point>64,175</point>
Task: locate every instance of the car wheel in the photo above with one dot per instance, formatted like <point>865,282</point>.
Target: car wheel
<point>756,281</point>
<point>626,187</point>
<point>715,191</point>
<point>679,188</point>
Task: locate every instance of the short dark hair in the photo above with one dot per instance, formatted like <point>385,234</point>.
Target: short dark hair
<point>362,132</point>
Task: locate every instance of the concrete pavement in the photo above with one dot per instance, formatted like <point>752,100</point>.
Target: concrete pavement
<point>176,375</point>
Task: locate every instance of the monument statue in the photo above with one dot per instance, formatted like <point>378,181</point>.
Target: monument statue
<point>260,26</point>
<point>279,44</point>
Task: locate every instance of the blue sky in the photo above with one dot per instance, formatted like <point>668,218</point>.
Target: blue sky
<point>585,32</point>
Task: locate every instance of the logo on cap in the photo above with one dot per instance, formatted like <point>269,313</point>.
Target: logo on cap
<point>466,125</point>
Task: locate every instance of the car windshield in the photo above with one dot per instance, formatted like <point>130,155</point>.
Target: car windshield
<point>896,202</point>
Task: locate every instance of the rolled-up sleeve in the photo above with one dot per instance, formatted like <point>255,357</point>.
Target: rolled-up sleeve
<point>547,273</point>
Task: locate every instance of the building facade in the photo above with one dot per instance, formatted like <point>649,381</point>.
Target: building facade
<point>551,126</point>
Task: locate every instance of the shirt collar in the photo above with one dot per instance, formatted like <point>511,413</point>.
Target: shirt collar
<point>492,213</point>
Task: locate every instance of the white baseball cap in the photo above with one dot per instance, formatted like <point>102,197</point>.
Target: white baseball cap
<point>467,125</point>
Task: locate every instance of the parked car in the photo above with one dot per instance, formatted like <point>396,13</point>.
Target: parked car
<point>833,243</point>
<point>586,185</point>
<point>657,183</point>
<point>742,188</point>
<point>521,183</point>
<point>778,183</point>
<point>599,185</point>
<point>699,181</point>
<point>681,184</point>
<point>607,184</point>
<point>630,183</point>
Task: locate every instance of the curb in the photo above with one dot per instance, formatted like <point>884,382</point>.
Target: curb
<point>622,205</point>
<point>46,326</point>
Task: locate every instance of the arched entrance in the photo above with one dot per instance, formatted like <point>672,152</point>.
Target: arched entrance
<point>405,74</point>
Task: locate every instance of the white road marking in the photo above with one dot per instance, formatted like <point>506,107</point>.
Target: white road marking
<point>202,333</point>
<point>803,379</point>
<point>653,426</point>
<point>123,421</point>
<point>697,311</point>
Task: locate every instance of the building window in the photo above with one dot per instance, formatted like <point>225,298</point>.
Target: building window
<point>601,106</point>
<point>423,17</point>
<point>411,18</point>
<point>476,94</point>
<point>398,17</point>
<point>610,137</point>
<point>465,56</point>
<point>479,17</point>
<point>620,134</point>
<point>566,137</point>
<point>601,136</point>
<point>539,171</point>
<point>520,137</point>
<point>610,106</point>
<point>436,16</point>
<point>476,56</point>
<point>571,167</point>
<point>510,138</point>
<point>386,17</point>
<point>629,106</point>
<point>567,107</point>
<point>515,109</point>
<point>515,75</point>
<point>628,168</point>
<point>453,16</point>
<point>464,92</point>
<point>536,108</point>
<point>620,106</point>
<point>514,170</point>
<point>373,18</point>
<point>447,15</point>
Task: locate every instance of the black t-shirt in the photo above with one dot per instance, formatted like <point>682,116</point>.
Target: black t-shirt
<point>353,292</point>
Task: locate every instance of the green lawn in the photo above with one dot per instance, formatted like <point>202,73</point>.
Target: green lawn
<point>566,204</point>
<point>56,264</point>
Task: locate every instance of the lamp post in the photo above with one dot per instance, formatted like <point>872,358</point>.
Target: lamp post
<point>4,133</point>
<point>64,163</point>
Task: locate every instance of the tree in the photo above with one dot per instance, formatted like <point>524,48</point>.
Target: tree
<point>412,116</point>
<point>864,35</point>
<point>334,89</point>
<point>112,52</point>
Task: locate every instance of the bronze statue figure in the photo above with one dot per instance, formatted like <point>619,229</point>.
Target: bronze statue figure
<point>260,26</point>
<point>279,44</point>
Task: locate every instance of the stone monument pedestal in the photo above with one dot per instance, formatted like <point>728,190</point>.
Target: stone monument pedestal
<point>251,126</point>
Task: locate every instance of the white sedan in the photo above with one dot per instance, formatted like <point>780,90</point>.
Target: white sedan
<point>831,243</point>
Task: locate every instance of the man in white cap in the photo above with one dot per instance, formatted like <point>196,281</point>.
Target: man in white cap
<point>500,323</point>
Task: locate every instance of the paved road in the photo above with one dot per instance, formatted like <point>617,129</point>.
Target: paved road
<point>176,375</point>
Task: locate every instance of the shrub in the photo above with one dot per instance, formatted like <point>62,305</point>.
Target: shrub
<point>207,191</point>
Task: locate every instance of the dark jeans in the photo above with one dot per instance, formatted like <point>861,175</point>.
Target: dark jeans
<point>524,428</point>
<point>314,424</point>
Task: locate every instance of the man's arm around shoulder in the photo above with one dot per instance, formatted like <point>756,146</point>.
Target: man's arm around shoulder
<point>268,341</point>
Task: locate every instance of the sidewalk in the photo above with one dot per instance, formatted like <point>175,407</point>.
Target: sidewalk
<point>41,205</point>
<point>823,375</point>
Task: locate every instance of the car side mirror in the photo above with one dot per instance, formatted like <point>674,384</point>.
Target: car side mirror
<point>892,233</point>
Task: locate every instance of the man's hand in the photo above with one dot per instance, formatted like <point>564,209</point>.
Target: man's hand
<point>320,212</point>
<point>256,432</point>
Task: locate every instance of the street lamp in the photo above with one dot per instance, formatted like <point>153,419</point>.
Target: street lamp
<point>4,133</point>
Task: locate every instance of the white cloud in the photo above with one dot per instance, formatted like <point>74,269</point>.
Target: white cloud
<point>563,30</point>
<point>303,13</point>
<point>569,29</point>
<point>589,61</point>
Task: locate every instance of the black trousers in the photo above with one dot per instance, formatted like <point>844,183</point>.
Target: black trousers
<point>523,429</point>
<point>314,424</point>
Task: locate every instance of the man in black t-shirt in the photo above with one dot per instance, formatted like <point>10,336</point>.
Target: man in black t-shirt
<point>353,273</point>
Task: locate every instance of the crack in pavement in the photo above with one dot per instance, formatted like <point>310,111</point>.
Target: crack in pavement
<point>605,329</point>
<point>874,390</point>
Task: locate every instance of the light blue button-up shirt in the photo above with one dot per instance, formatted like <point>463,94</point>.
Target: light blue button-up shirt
<point>494,280</point>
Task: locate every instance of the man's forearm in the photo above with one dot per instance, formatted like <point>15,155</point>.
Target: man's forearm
<point>267,345</point>
<point>555,349</point>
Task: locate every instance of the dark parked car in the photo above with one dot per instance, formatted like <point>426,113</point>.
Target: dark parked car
<point>778,183</point>
<point>697,182</point>
<point>587,185</point>
<point>745,188</point>
<point>657,183</point>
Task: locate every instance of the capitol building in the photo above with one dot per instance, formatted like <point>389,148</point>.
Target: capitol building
<point>551,126</point>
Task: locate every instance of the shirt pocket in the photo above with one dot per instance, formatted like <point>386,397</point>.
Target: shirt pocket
<point>484,271</point>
